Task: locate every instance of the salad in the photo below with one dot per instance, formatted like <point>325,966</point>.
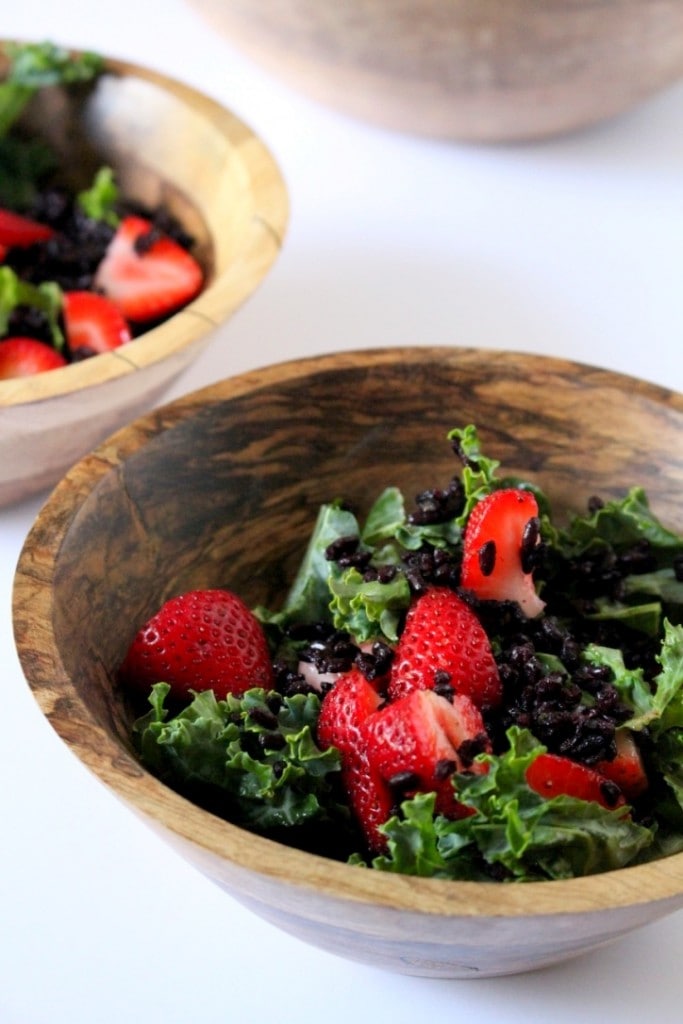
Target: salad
<point>81,271</point>
<point>458,686</point>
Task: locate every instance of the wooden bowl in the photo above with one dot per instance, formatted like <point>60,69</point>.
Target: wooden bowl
<point>221,488</point>
<point>171,144</point>
<point>490,70</point>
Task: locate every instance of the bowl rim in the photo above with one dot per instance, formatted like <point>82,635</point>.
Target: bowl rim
<point>659,881</point>
<point>220,297</point>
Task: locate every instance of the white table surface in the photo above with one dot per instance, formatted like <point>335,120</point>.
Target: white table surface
<point>574,248</point>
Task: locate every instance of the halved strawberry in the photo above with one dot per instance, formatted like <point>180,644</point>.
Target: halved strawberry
<point>344,711</point>
<point>22,357</point>
<point>147,274</point>
<point>552,775</point>
<point>443,644</point>
<point>627,768</point>
<point>93,324</point>
<point>501,535</point>
<point>16,230</point>
<point>200,640</point>
<point>417,742</point>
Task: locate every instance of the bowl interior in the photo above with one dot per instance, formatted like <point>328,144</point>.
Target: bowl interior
<point>221,488</point>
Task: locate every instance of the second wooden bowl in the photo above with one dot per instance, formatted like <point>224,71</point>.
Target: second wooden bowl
<point>168,144</point>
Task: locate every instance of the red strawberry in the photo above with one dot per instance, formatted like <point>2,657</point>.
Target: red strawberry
<point>147,281</point>
<point>626,769</point>
<point>21,231</point>
<point>343,713</point>
<point>552,775</point>
<point>443,641</point>
<point>500,536</point>
<point>419,740</point>
<point>93,324</point>
<point>22,357</point>
<point>344,709</point>
<point>201,640</point>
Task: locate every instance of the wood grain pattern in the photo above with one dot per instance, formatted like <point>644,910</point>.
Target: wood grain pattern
<point>221,488</point>
<point>490,70</point>
<point>168,143</point>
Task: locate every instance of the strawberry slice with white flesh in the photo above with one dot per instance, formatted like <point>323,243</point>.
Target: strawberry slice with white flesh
<point>626,769</point>
<point>501,535</point>
<point>418,741</point>
<point>146,273</point>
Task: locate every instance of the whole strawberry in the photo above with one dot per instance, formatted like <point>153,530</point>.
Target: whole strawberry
<point>443,646</point>
<point>200,640</point>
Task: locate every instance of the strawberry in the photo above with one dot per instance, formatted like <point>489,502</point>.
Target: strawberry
<point>22,357</point>
<point>200,640</point>
<point>344,709</point>
<point>626,769</point>
<point>16,230</point>
<point>93,323</point>
<point>443,643</point>
<point>553,775</point>
<point>344,712</point>
<point>145,273</point>
<point>419,740</point>
<point>498,547</point>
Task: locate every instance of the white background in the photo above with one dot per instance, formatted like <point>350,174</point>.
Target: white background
<point>572,247</point>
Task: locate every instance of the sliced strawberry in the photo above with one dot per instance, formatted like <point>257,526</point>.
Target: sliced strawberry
<point>552,775</point>
<point>343,713</point>
<point>22,357</point>
<point>417,742</point>
<point>147,274</point>
<point>201,640</point>
<point>626,769</point>
<point>16,230</point>
<point>93,323</point>
<point>501,535</point>
<point>369,796</point>
<point>444,644</point>
<point>3,252</point>
<point>344,709</point>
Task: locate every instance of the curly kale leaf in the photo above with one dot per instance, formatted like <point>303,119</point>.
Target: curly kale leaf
<point>46,297</point>
<point>259,767</point>
<point>514,833</point>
